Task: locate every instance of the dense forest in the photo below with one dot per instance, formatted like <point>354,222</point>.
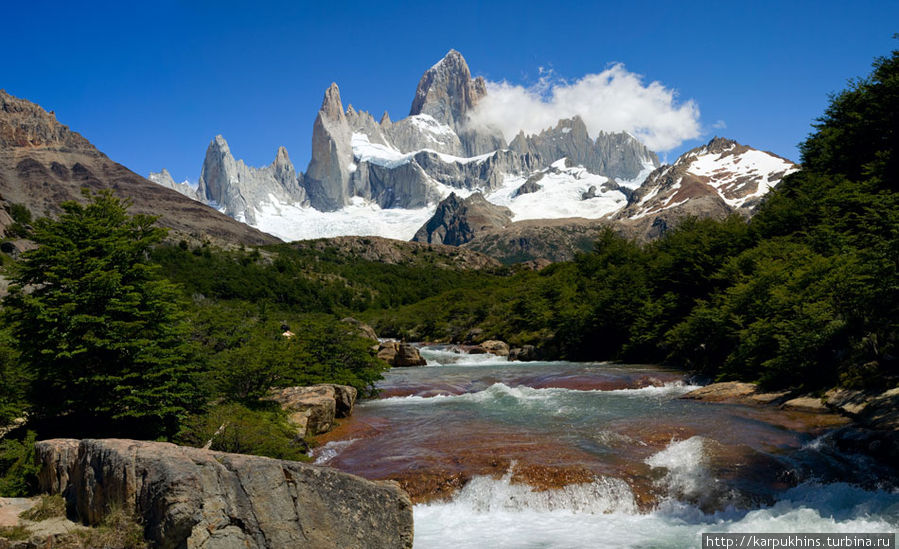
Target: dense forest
<point>112,329</point>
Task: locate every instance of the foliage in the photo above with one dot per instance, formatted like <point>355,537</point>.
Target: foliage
<point>101,333</point>
<point>18,471</point>
<point>117,530</point>
<point>18,532</point>
<point>13,399</point>
<point>262,430</point>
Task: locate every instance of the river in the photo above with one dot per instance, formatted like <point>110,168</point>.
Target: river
<point>568,455</point>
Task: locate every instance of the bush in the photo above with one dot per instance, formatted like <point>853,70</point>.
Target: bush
<point>18,471</point>
<point>262,431</point>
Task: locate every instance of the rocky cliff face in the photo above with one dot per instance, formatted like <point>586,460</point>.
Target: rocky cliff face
<point>371,170</point>
<point>327,177</point>
<point>240,190</point>
<point>194,498</point>
<point>43,163</point>
<point>447,93</point>
<point>458,221</point>
<point>616,155</point>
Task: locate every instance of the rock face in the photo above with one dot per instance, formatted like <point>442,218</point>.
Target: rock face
<point>400,354</point>
<point>458,221</point>
<point>327,177</point>
<point>447,92</point>
<point>43,163</point>
<point>193,498</point>
<point>164,178</point>
<point>240,190</point>
<point>496,347</point>
<point>617,155</point>
<point>312,409</point>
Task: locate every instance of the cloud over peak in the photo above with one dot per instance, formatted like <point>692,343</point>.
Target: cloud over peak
<point>613,100</point>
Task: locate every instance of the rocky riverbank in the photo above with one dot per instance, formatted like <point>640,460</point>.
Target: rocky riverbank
<point>867,420</point>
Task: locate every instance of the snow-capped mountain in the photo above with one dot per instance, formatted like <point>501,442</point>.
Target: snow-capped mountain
<point>386,178</point>
<point>713,180</point>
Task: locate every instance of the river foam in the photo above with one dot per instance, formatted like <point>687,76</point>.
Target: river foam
<point>492,512</point>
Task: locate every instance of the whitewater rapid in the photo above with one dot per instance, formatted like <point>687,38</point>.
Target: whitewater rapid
<point>708,468</point>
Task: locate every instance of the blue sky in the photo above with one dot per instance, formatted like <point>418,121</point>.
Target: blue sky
<point>150,84</point>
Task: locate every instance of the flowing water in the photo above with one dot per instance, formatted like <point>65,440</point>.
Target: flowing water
<point>567,455</point>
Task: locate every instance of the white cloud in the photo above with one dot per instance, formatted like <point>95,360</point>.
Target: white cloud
<point>719,125</point>
<point>614,100</point>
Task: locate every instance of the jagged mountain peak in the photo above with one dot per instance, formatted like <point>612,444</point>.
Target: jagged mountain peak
<point>220,144</point>
<point>331,105</point>
<point>282,157</point>
<point>447,92</point>
<point>712,180</point>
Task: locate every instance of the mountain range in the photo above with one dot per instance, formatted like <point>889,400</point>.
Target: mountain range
<point>435,176</point>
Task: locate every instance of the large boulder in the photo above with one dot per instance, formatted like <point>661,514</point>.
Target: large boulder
<point>361,328</point>
<point>398,353</point>
<point>312,409</point>
<point>408,355</point>
<point>525,353</point>
<point>200,499</point>
<point>387,351</point>
<point>496,347</point>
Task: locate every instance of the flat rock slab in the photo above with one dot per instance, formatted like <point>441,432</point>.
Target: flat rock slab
<point>806,404</point>
<point>200,499</point>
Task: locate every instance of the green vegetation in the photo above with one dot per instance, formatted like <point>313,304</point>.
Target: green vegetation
<point>101,332</point>
<point>18,472</point>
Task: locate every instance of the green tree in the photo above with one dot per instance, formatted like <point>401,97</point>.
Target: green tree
<point>101,333</point>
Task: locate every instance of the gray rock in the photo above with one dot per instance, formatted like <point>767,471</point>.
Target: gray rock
<point>458,221</point>
<point>239,189</point>
<point>617,155</point>
<point>496,347</point>
<point>530,186</point>
<point>328,175</point>
<point>525,353</point>
<point>408,355</point>
<point>199,499</point>
<point>164,178</point>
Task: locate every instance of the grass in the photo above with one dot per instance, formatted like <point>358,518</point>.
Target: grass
<point>48,507</point>
<point>14,533</point>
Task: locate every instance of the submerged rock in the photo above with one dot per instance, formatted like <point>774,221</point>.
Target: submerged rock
<point>189,497</point>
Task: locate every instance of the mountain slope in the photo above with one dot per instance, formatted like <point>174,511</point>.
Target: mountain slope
<point>44,163</point>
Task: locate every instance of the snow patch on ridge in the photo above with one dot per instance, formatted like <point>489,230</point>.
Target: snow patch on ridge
<point>561,195</point>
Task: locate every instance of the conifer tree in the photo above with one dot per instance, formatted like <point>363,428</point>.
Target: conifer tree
<point>102,335</point>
